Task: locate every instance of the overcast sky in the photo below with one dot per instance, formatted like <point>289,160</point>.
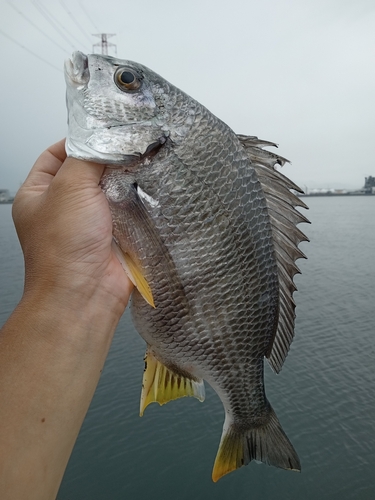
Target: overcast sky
<point>300,73</point>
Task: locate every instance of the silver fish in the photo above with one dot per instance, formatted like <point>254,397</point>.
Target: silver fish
<point>205,227</point>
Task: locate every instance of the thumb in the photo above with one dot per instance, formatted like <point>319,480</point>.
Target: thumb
<point>80,173</point>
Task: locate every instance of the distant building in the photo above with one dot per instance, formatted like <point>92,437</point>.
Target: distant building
<point>4,195</point>
<point>369,187</point>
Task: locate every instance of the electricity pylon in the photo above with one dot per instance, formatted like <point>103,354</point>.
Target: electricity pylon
<point>104,44</point>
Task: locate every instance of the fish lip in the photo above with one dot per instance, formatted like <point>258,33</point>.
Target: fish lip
<point>76,69</point>
<point>114,160</point>
<point>88,153</point>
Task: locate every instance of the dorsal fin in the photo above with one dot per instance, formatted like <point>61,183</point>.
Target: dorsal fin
<point>281,203</point>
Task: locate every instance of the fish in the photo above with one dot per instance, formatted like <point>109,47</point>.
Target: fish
<point>205,226</point>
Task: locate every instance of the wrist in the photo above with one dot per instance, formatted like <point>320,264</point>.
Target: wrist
<point>75,315</point>
<point>53,348</point>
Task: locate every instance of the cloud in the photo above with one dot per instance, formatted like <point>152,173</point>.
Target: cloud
<point>297,73</point>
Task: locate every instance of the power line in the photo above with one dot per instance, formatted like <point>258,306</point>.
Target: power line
<point>88,17</point>
<point>54,23</point>
<point>53,18</point>
<point>30,51</point>
<point>75,21</point>
<point>36,27</point>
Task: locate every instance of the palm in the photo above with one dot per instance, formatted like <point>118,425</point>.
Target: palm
<point>65,226</point>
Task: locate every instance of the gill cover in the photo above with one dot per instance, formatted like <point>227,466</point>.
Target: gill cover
<point>110,121</point>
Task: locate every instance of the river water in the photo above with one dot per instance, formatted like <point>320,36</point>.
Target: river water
<point>324,396</point>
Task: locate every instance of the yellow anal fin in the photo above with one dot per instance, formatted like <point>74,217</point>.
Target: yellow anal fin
<point>135,274</point>
<point>161,385</point>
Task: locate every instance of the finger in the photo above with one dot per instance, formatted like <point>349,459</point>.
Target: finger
<point>46,166</point>
<point>58,150</point>
<point>84,173</point>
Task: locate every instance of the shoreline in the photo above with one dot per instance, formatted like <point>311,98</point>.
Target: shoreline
<point>309,195</point>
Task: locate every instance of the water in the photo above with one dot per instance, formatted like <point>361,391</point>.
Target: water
<point>324,396</point>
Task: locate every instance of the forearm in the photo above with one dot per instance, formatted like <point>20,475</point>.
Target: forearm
<point>52,352</point>
<point>53,347</point>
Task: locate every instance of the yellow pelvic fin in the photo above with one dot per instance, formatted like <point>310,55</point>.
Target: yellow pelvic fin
<point>135,274</point>
<point>161,385</point>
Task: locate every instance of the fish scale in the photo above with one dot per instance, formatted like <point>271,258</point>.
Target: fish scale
<point>240,321</point>
<point>217,246</point>
<point>205,227</point>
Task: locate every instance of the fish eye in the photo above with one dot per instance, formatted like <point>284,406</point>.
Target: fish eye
<point>127,79</point>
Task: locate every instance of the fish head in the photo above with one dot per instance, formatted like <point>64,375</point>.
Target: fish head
<point>119,111</point>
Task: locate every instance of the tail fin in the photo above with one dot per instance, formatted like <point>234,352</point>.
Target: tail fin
<point>267,443</point>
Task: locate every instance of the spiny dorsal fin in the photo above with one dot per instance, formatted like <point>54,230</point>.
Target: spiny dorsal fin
<point>281,203</point>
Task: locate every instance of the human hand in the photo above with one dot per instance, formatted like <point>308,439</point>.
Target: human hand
<point>65,230</point>
<point>54,345</point>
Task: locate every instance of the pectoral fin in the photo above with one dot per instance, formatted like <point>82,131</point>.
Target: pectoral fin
<point>160,384</point>
<point>135,274</point>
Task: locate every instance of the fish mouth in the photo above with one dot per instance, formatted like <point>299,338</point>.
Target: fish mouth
<point>77,69</point>
<point>113,160</point>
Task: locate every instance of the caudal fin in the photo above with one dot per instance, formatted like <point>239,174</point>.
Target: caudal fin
<point>267,443</point>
